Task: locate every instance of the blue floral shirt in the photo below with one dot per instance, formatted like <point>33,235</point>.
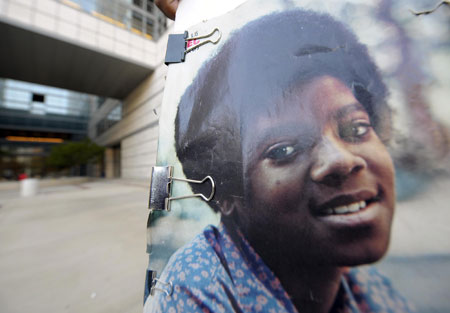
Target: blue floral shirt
<point>211,274</point>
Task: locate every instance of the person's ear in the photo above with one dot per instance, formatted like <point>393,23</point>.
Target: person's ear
<point>230,206</point>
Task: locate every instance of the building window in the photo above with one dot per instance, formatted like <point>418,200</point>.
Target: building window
<point>36,97</point>
<point>149,27</point>
<point>137,3</point>
<point>136,21</point>
<point>150,6</point>
<point>110,120</point>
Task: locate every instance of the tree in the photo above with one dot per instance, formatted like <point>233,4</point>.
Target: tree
<point>74,154</point>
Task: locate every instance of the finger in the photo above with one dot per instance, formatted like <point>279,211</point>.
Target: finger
<point>168,7</point>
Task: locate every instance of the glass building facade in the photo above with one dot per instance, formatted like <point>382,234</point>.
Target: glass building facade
<point>34,118</point>
<point>30,106</point>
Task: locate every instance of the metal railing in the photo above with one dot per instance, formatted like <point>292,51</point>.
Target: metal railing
<point>141,17</point>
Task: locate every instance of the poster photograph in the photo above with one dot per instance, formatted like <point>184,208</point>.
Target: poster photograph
<point>324,126</point>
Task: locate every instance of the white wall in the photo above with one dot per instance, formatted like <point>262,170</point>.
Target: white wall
<point>138,109</point>
<point>137,132</point>
<point>138,154</point>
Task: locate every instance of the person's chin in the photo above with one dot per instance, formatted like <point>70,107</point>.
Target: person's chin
<point>366,254</point>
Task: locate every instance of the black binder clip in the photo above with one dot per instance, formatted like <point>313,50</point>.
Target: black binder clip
<point>179,45</point>
<point>168,287</point>
<point>161,188</point>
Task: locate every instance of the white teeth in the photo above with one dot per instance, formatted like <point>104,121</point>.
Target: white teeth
<point>353,207</point>
<point>343,209</point>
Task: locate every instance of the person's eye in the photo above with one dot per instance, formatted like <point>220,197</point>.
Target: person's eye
<point>281,152</point>
<point>354,131</point>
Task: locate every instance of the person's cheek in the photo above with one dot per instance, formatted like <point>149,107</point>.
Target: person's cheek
<point>277,186</point>
<point>381,168</point>
<point>380,163</point>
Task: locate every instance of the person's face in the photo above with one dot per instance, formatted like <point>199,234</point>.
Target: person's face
<point>319,182</point>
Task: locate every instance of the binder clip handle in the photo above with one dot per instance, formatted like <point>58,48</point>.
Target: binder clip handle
<point>154,280</point>
<point>161,188</point>
<point>204,42</point>
<point>211,195</point>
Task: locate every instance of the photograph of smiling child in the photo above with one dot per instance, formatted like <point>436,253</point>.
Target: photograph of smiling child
<point>290,118</point>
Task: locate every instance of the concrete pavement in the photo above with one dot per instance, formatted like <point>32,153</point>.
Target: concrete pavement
<point>74,248</point>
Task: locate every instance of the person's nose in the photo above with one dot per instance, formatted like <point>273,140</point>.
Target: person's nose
<point>334,162</point>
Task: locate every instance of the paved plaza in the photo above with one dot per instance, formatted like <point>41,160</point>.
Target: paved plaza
<point>74,248</point>
<point>81,248</point>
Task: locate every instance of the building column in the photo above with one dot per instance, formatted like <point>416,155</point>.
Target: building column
<point>109,163</point>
